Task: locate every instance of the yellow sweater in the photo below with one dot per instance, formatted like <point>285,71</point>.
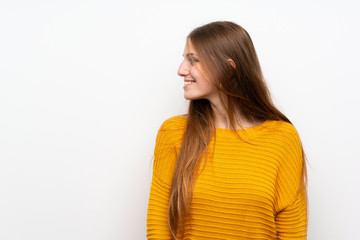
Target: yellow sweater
<point>245,191</point>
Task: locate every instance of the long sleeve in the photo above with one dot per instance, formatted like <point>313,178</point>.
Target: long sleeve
<point>291,217</point>
<point>165,154</point>
<point>157,218</point>
<point>291,223</point>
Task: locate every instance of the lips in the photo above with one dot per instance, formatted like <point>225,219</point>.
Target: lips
<point>188,82</point>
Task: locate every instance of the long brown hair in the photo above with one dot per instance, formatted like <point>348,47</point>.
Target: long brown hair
<point>243,91</point>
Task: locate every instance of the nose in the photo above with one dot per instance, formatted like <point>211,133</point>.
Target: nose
<point>183,69</point>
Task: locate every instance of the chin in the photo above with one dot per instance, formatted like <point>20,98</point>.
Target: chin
<point>192,97</point>
<point>189,97</point>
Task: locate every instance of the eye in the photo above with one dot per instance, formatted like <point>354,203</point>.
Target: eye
<point>193,60</point>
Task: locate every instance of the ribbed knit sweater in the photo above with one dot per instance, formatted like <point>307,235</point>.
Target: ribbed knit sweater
<point>246,191</point>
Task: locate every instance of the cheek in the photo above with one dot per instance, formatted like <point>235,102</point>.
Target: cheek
<point>205,84</point>
<point>199,77</point>
<point>211,88</point>
<point>202,81</point>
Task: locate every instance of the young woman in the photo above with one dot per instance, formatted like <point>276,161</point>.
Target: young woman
<point>234,166</point>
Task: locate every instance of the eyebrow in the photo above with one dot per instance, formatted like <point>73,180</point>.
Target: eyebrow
<point>190,54</point>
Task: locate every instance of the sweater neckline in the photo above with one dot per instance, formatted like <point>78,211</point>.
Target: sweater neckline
<point>251,131</point>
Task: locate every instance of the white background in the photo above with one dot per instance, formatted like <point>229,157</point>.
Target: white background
<point>85,85</point>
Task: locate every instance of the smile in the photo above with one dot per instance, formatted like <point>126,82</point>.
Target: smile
<point>188,82</point>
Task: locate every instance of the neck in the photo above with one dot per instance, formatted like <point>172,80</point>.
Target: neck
<point>222,120</point>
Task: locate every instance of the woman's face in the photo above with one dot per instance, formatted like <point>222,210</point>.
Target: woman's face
<point>196,86</point>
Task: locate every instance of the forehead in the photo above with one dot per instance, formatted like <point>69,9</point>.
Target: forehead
<point>189,49</point>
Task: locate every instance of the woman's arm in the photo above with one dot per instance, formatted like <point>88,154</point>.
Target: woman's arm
<point>291,201</point>
<point>164,162</point>
<point>291,223</point>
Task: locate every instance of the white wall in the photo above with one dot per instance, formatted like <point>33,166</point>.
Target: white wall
<point>85,85</point>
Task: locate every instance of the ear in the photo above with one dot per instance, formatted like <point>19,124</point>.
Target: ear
<point>231,62</point>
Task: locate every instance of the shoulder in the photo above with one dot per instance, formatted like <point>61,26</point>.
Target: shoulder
<point>171,131</point>
<point>284,130</point>
<point>284,137</point>
<point>168,143</point>
<point>176,123</point>
<point>286,141</point>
